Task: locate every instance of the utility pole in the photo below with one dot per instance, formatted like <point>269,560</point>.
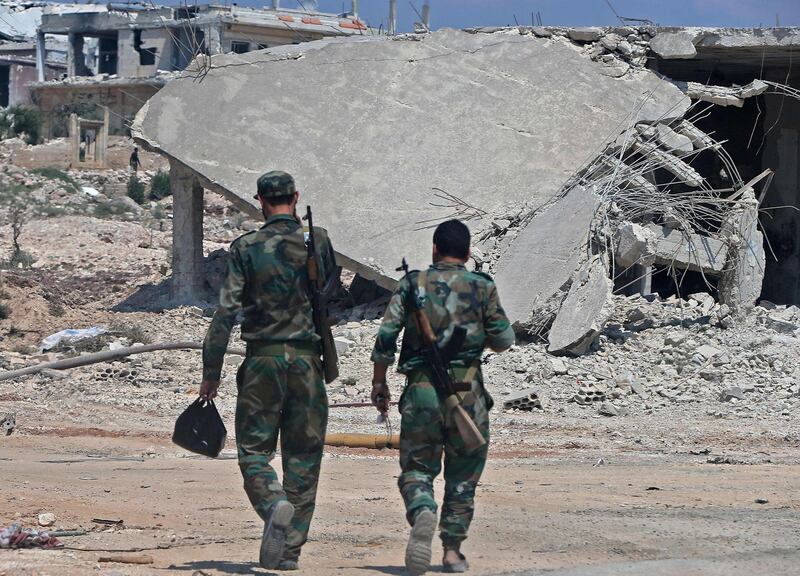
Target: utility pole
<point>392,17</point>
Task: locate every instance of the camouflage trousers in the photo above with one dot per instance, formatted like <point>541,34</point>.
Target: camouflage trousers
<point>282,395</point>
<point>426,432</point>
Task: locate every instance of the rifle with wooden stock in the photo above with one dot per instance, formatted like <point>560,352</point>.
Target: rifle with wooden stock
<point>437,361</point>
<point>330,360</point>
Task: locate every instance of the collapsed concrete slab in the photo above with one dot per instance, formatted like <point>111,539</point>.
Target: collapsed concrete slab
<point>584,311</point>
<point>539,264</point>
<point>674,45</point>
<point>369,126</point>
<point>688,251</point>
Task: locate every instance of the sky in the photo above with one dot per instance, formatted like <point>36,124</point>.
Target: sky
<point>466,13</point>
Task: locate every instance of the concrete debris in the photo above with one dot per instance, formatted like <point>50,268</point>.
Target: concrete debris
<point>342,345</point>
<point>560,367</point>
<point>729,394</point>
<point>692,252</point>
<point>586,34</point>
<point>667,161</point>
<point>740,284</point>
<point>675,143</point>
<point>584,311</point>
<point>723,95</point>
<point>554,242</point>
<point>634,244</point>
<point>587,394</point>
<point>518,120</point>
<point>8,423</point>
<point>46,519</point>
<point>527,401</point>
<point>608,409</point>
<point>674,45</point>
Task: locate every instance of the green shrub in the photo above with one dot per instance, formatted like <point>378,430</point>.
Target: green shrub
<point>27,121</point>
<point>136,189</point>
<point>53,173</point>
<point>160,186</point>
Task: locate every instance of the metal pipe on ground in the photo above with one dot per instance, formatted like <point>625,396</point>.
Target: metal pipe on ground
<point>106,356</point>
<point>372,441</point>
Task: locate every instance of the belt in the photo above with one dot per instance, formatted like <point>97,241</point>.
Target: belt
<point>286,349</point>
<point>467,374</point>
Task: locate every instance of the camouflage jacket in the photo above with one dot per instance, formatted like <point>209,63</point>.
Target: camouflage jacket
<point>452,296</point>
<point>268,282</point>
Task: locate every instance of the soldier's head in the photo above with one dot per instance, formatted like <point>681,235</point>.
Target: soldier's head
<point>451,242</point>
<point>276,193</point>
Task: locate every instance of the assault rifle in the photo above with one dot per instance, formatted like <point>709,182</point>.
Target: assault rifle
<point>330,360</point>
<point>437,361</point>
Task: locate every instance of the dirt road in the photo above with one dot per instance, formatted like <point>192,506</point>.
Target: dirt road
<point>634,514</point>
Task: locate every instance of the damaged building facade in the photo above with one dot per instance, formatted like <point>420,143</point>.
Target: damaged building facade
<point>18,61</point>
<point>588,161</point>
<point>120,54</point>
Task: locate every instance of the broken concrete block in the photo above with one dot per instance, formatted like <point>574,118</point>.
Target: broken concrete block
<point>584,311</point>
<point>8,423</point>
<point>634,244</point>
<point>707,351</point>
<point>731,393</point>
<point>541,32</point>
<point>674,45</point>
<point>740,285</point>
<point>692,252</point>
<point>585,34</point>
<point>544,256</point>
<point>705,300</point>
<point>46,519</point>
<point>527,400</point>
<point>560,367</point>
<point>342,344</point>
<point>588,393</point>
<point>608,409</point>
<point>673,142</point>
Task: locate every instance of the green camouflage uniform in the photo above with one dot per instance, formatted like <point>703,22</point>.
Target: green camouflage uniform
<point>280,382</point>
<point>452,297</point>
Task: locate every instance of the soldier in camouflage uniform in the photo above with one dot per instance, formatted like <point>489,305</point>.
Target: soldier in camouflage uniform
<point>452,296</point>
<point>280,383</point>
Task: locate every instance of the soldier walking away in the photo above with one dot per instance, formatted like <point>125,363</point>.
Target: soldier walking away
<point>453,300</point>
<point>280,382</point>
<point>134,162</point>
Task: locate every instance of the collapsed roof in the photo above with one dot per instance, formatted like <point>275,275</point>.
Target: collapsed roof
<point>559,143</point>
<point>371,127</point>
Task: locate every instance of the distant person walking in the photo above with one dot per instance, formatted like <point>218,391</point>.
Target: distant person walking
<point>280,382</point>
<point>135,164</point>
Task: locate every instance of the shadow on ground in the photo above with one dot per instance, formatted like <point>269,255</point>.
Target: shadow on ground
<point>223,566</point>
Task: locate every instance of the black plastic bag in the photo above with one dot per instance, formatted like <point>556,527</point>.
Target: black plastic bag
<point>200,429</point>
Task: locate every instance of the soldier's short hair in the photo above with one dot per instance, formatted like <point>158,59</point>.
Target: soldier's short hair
<point>279,200</point>
<point>452,239</point>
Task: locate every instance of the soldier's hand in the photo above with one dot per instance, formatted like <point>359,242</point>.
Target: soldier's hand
<point>208,389</point>
<point>381,396</point>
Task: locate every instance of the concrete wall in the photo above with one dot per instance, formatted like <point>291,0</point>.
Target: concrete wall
<point>20,76</point>
<point>124,102</point>
<point>128,63</point>
<point>257,35</point>
<point>782,154</point>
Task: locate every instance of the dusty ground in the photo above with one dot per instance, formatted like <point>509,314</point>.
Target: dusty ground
<point>669,486</point>
<point>535,513</point>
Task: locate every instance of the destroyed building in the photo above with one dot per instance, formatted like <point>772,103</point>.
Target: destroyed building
<point>120,54</point>
<point>587,161</point>
<point>18,65</point>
